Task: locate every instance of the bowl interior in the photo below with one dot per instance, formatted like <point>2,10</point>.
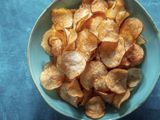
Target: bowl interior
<point>37,58</point>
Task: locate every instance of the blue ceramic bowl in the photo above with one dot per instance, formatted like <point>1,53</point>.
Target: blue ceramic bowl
<point>150,67</point>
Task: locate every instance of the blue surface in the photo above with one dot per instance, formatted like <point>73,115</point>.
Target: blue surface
<point>19,99</point>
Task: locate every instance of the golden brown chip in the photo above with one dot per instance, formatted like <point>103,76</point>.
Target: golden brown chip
<point>71,38</point>
<point>119,99</point>
<point>115,7</point>
<point>133,57</point>
<point>87,95</point>
<point>75,89</point>
<point>107,97</point>
<point>73,99</point>
<point>87,1</point>
<point>62,18</point>
<point>95,107</point>
<point>83,12</point>
<point>116,80</point>
<point>99,6</point>
<point>53,42</point>
<point>130,30</point>
<point>51,78</point>
<point>111,55</point>
<point>121,16</point>
<point>107,31</point>
<point>71,63</point>
<point>100,84</point>
<point>93,70</point>
<point>134,77</point>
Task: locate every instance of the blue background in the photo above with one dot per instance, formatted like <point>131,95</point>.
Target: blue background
<point>19,98</point>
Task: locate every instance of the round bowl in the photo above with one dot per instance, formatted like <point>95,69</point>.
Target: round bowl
<point>37,58</point>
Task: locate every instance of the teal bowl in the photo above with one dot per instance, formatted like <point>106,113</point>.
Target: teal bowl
<point>150,67</point>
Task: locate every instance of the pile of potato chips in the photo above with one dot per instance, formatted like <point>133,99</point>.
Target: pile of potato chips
<point>96,51</point>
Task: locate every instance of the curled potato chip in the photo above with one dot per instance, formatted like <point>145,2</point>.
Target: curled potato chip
<point>95,107</point>
<point>93,70</point>
<point>87,95</point>
<point>71,63</point>
<point>134,77</point>
<point>83,12</point>
<point>130,30</point>
<point>133,57</point>
<point>53,42</point>
<point>99,6</point>
<point>121,16</point>
<point>107,97</point>
<point>111,55</point>
<point>120,98</point>
<point>51,78</point>
<point>100,84</point>
<point>116,80</point>
<point>107,31</point>
<point>68,94</point>
<point>71,38</point>
<point>117,6</point>
<point>62,18</point>
<point>87,1</point>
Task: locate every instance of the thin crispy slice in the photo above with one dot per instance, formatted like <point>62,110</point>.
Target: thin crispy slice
<point>62,18</point>
<point>87,1</point>
<point>111,55</point>
<point>107,31</point>
<point>95,108</point>
<point>107,97</point>
<point>99,6</point>
<point>100,84</point>
<point>130,30</point>
<point>83,12</point>
<point>140,40</point>
<point>119,99</point>
<point>116,80</point>
<point>133,57</point>
<point>93,70</point>
<point>86,97</point>
<point>134,77</point>
<point>71,63</point>
<point>121,16</point>
<point>116,6</point>
<point>73,99</point>
<point>51,78</point>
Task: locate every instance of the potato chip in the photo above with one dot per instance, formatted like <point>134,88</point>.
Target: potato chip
<point>140,40</point>
<point>107,31</point>
<point>87,95</point>
<point>53,42</point>
<point>95,107</point>
<point>130,30</point>
<point>93,70</point>
<point>133,57</point>
<point>100,84</point>
<point>111,55</point>
<point>117,6</point>
<point>134,77</point>
<point>63,92</point>
<point>119,99</point>
<point>99,6</point>
<point>83,12</point>
<point>107,97</point>
<point>110,3</point>
<point>71,63</point>
<point>74,89</point>
<point>86,42</point>
<point>71,38</point>
<point>62,18</point>
<point>116,80</point>
<point>121,16</point>
<point>51,78</point>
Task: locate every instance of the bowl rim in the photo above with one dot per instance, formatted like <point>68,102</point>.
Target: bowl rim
<point>75,117</point>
